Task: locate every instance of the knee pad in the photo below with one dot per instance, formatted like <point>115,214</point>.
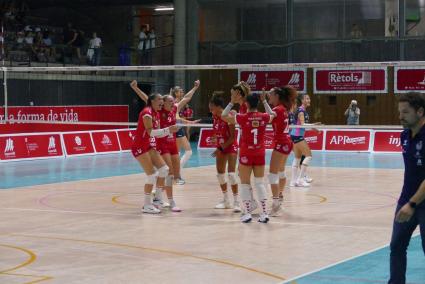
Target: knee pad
<point>163,171</point>
<point>273,178</point>
<point>169,180</point>
<point>307,161</point>
<point>282,175</point>
<point>221,178</point>
<point>233,178</point>
<point>296,163</point>
<point>261,188</point>
<point>245,192</point>
<point>150,179</point>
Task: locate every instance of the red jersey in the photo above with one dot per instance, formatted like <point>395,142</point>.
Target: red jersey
<point>168,118</point>
<point>253,127</point>
<point>243,108</point>
<point>281,124</point>
<point>222,132</point>
<point>143,142</point>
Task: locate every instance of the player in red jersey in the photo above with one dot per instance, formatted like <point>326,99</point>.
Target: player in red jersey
<point>144,148</point>
<point>241,90</point>
<point>282,99</point>
<point>167,146</point>
<point>251,153</point>
<point>226,153</point>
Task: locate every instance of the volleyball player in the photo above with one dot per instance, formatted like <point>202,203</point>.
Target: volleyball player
<point>144,148</point>
<point>182,141</point>
<point>252,153</point>
<point>225,154</point>
<point>240,91</point>
<point>282,99</point>
<point>301,147</point>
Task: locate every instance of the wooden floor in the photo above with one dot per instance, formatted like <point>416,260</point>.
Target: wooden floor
<point>93,231</point>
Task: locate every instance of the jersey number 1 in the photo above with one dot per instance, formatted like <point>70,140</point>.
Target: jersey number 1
<point>255,134</point>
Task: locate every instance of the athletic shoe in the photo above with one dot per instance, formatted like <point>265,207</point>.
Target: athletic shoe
<point>246,218</point>
<point>236,207</point>
<point>174,208</point>
<point>224,204</point>
<point>308,179</point>
<point>158,203</point>
<point>276,208</point>
<point>264,218</point>
<point>301,183</point>
<point>150,209</point>
<point>292,183</point>
<point>180,181</point>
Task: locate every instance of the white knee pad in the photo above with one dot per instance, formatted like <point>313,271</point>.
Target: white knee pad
<point>221,178</point>
<point>296,163</point>
<point>307,161</point>
<point>282,175</point>
<point>150,179</point>
<point>169,180</point>
<point>261,188</point>
<point>233,179</point>
<point>245,192</point>
<point>273,178</point>
<point>163,171</point>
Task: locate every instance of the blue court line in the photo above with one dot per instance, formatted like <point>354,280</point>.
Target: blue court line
<point>27,173</point>
<point>369,268</point>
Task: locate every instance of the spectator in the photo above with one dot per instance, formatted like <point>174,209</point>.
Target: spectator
<point>352,113</point>
<point>356,32</point>
<point>143,45</point>
<point>152,38</point>
<point>94,50</point>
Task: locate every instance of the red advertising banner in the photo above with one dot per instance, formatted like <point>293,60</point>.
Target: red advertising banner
<point>258,79</point>
<point>126,138</point>
<point>30,146</point>
<point>105,141</point>
<point>61,114</point>
<point>409,79</point>
<point>387,141</point>
<point>314,139</point>
<point>79,143</point>
<point>341,140</point>
<point>370,80</point>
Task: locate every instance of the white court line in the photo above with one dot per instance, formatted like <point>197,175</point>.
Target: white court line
<point>193,218</point>
<point>336,263</point>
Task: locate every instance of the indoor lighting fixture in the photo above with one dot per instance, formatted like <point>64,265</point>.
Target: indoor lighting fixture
<point>165,9</point>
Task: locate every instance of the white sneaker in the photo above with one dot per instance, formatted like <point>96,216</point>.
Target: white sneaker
<point>224,204</point>
<point>174,208</point>
<point>180,181</point>
<point>160,203</point>
<point>264,218</point>
<point>292,183</point>
<point>308,179</point>
<point>236,207</point>
<point>301,183</point>
<point>150,209</point>
<point>276,209</point>
<point>246,218</point>
<point>254,205</point>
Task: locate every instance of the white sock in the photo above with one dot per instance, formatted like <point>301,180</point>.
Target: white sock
<point>186,156</point>
<point>158,193</point>
<point>148,199</point>
<point>302,172</point>
<point>225,196</point>
<point>294,174</point>
<point>236,197</point>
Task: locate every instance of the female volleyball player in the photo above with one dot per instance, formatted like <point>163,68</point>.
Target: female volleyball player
<point>282,99</point>
<point>252,153</point>
<point>144,149</point>
<point>182,141</point>
<point>226,153</point>
<point>301,147</point>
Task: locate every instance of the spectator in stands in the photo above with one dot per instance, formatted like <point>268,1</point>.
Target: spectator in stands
<point>94,50</point>
<point>48,45</point>
<point>356,32</point>
<point>353,113</point>
<point>152,38</point>
<point>142,47</point>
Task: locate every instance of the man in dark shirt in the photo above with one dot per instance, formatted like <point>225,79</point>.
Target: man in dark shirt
<point>411,206</point>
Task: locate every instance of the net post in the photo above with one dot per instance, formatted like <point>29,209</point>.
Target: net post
<point>6,116</point>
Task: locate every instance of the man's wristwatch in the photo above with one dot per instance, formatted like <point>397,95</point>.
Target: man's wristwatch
<point>412,204</point>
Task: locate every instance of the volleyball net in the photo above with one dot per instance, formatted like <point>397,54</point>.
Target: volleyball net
<point>64,99</point>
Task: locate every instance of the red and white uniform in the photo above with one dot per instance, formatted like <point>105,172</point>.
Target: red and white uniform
<point>243,108</point>
<point>280,123</point>
<point>251,145</point>
<point>222,134</point>
<point>168,144</point>
<point>143,142</point>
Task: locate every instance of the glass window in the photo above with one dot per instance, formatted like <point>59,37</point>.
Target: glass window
<point>415,17</point>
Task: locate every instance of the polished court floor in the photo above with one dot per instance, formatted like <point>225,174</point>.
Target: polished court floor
<point>78,220</point>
